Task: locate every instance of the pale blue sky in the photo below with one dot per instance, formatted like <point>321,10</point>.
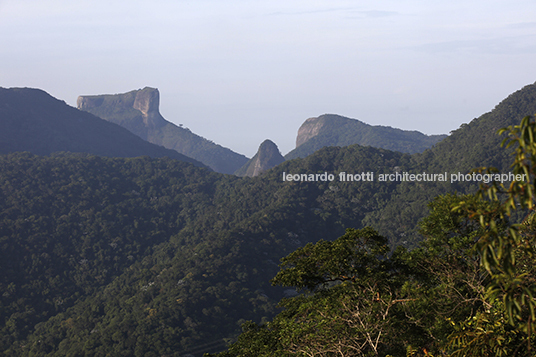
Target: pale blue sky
<point>241,71</point>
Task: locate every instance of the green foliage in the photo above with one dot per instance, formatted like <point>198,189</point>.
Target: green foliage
<point>467,291</point>
<point>353,257</point>
<point>507,254</point>
<point>95,247</point>
<point>156,257</point>
<point>488,333</point>
<point>70,225</point>
<point>350,296</point>
<point>255,340</point>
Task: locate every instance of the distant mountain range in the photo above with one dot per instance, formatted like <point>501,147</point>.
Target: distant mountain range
<point>146,256</point>
<point>138,111</point>
<point>336,130</point>
<point>32,120</point>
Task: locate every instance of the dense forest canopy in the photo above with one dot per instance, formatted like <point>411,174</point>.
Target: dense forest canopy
<point>153,256</point>
<point>467,290</point>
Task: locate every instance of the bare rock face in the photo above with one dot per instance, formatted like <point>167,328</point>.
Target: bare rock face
<point>32,120</point>
<point>319,125</point>
<point>86,102</point>
<point>336,130</point>
<point>267,156</point>
<point>143,102</point>
<point>147,101</point>
<point>310,128</point>
<point>138,111</point>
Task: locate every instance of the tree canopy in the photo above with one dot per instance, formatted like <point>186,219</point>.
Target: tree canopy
<point>467,290</point>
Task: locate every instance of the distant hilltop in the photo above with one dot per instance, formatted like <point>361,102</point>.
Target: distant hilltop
<point>335,130</point>
<point>138,111</point>
<point>32,120</point>
<point>267,156</point>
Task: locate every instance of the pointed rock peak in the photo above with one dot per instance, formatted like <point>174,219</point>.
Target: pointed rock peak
<point>268,145</point>
<point>267,157</point>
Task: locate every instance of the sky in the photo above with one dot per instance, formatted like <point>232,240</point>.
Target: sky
<point>238,72</point>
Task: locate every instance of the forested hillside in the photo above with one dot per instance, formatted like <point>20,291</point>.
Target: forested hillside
<point>466,290</point>
<point>149,257</point>
<point>105,241</point>
<point>32,120</point>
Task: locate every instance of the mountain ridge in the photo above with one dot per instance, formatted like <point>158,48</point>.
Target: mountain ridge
<point>167,258</point>
<point>138,111</point>
<point>337,130</point>
<point>34,121</point>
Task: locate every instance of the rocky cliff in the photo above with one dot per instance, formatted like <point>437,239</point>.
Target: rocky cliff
<point>315,126</point>
<point>138,111</point>
<point>32,120</point>
<point>147,101</point>
<point>336,130</point>
<point>267,156</point>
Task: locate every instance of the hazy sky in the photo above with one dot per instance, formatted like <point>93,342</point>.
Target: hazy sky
<point>241,71</point>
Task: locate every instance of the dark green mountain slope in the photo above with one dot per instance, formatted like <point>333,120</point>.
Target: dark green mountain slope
<point>156,257</point>
<point>138,111</point>
<point>32,120</point>
<point>471,146</point>
<point>151,256</point>
<point>335,130</point>
<point>476,144</point>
